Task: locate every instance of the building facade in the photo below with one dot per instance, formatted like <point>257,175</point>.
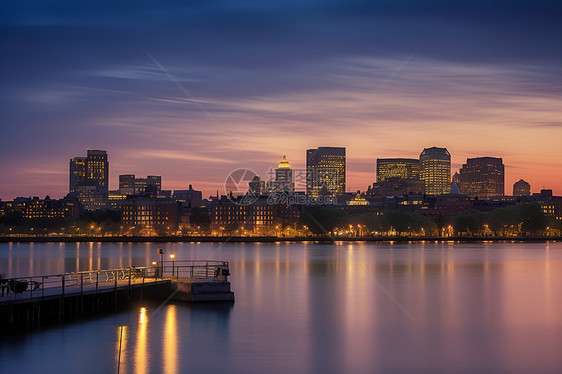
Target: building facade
<point>97,169</point>
<point>150,212</point>
<point>149,186</point>
<point>89,179</point>
<point>401,168</point>
<point>283,178</point>
<point>481,177</point>
<point>325,171</point>
<point>256,216</point>
<point>77,173</point>
<point>435,170</point>
<point>521,188</point>
<point>31,208</point>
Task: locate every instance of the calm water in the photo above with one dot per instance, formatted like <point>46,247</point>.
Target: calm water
<point>308,308</point>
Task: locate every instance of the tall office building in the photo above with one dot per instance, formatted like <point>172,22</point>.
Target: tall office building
<point>90,171</point>
<point>77,173</point>
<point>397,176</point>
<point>402,168</point>
<point>435,170</point>
<point>521,188</point>
<point>325,171</point>
<point>89,179</point>
<point>482,177</point>
<point>97,169</point>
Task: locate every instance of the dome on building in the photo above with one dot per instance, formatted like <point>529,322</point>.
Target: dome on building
<point>284,164</point>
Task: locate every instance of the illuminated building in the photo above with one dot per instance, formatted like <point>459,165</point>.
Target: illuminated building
<point>114,199</point>
<point>150,212</point>
<point>401,168</point>
<point>481,177</point>
<point>256,186</point>
<point>149,186</point>
<point>358,200</point>
<point>77,173</point>
<point>283,178</point>
<point>127,183</point>
<point>230,216</point>
<point>396,177</point>
<point>47,208</point>
<point>91,197</point>
<point>435,170</point>
<point>97,169</point>
<point>325,171</point>
<point>89,179</point>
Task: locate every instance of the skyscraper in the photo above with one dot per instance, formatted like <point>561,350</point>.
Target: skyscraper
<point>89,179</point>
<point>90,171</point>
<point>435,170</point>
<point>97,169</point>
<point>397,176</point>
<point>325,171</point>
<point>77,173</point>
<point>521,188</point>
<point>482,177</point>
<point>402,168</point>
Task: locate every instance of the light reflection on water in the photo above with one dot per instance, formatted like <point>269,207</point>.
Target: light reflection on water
<point>308,308</point>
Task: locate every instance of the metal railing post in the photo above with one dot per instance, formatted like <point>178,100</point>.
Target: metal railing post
<point>81,283</point>
<point>63,284</point>
<point>97,279</point>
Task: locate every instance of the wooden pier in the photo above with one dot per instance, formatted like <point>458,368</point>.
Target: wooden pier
<point>32,301</point>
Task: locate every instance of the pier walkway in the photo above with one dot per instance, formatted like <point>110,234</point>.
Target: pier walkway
<point>28,300</point>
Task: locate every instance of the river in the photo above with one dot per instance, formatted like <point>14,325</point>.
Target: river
<point>313,308</point>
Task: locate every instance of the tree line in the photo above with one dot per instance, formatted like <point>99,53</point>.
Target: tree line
<point>527,219</point>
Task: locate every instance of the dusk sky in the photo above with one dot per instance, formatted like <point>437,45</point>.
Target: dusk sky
<point>191,90</point>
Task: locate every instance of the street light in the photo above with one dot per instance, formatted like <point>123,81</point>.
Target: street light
<point>172,256</point>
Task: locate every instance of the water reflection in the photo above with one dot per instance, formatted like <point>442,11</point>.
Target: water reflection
<point>170,341</point>
<point>309,308</point>
<point>141,346</point>
<point>122,339</point>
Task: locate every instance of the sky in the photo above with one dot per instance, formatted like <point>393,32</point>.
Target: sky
<point>192,90</point>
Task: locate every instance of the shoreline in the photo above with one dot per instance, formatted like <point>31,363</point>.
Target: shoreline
<point>266,239</point>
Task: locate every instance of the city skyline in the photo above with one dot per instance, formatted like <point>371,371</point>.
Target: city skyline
<point>385,80</point>
<point>116,181</point>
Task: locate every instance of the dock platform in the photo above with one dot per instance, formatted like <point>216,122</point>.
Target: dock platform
<point>31,301</point>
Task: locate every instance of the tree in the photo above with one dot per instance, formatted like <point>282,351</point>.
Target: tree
<point>466,223</point>
<point>501,219</point>
<point>533,219</point>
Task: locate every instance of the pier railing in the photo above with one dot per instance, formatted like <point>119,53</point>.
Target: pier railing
<point>84,281</point>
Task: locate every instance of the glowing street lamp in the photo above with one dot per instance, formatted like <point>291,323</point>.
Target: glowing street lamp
<point>172,256</point>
